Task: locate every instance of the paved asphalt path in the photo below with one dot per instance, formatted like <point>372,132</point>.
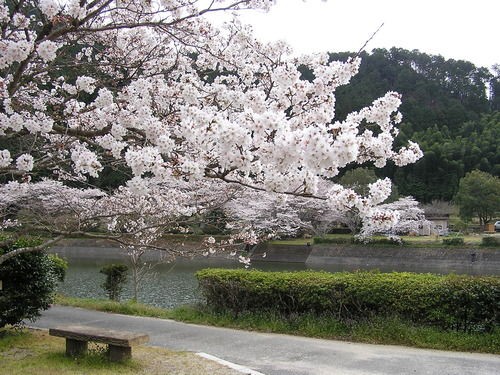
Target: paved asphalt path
<point>274,354</point>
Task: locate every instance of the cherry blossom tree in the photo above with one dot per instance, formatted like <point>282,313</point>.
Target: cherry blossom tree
<point>409,218</point>
<point>136,222</point>
<point>270,215</point>
<point>154,89</point>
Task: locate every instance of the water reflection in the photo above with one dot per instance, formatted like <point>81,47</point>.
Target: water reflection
<point>174,284</point>
<point>169,285</point>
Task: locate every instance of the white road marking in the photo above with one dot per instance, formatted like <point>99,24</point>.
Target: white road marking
<point>234,366</point>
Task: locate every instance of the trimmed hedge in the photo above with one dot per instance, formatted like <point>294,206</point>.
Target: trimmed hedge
<point>453,241</point>
<point>340,231</point>
<point>452,302</point>
<point>490,241</point>
<point>335,240</point>
<point>354,240</point>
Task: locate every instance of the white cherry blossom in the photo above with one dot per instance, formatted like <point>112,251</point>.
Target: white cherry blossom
<point>152,88</point>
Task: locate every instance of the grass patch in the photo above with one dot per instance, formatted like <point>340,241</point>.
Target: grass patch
<point>35,352</point>
<point>126,308</point>
<point>292,241</point>
<point>374,331</point>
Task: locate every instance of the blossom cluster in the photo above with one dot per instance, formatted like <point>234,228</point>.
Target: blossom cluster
<point>157,90</point>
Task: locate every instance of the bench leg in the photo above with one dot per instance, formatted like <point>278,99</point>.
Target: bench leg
<point>75,348</point>
<point>119,353</point>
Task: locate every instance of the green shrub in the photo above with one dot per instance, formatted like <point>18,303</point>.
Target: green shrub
<point>335,240</point>
<point>354,240</point>
<point>116,277</point>
<point>490,241</point>
<point>340,231</point>
<point>379,241</point>
<point>28,283</point>
<point>453,241</point>
<point>59,266</point>
<point>452,302</point>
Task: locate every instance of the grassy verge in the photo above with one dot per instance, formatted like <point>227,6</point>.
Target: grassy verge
<point>35,352</point>
<point>126,308</point>
<point>375,331</point>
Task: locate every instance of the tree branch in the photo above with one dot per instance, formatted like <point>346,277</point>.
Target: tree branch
<point>24,250</point>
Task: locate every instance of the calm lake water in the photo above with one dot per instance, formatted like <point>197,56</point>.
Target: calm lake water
<point>171,285</point>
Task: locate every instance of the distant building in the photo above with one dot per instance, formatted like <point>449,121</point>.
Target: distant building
<point>436,224</point>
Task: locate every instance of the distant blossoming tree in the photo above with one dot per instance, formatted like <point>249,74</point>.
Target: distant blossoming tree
<point>274,215</point>
<point>154,89</point>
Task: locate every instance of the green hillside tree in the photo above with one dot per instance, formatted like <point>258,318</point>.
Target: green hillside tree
<point>478,196</point>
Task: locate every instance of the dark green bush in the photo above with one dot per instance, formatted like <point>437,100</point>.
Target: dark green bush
<point>116,277</point>
<point>59,266</point>
<point>340,231</point>
<point>378,241</point>
<point>490,241</point>
<point>335,240</point>
<point>453,241</point>
<point>452,302</point>
<point>29,281</point>
<point>354,240</point>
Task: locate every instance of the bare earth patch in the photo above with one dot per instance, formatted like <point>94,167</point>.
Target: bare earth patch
<point>16,354</point>
<point>162,361</point>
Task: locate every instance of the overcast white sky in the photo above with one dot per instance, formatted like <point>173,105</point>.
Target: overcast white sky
<point>460,29</point>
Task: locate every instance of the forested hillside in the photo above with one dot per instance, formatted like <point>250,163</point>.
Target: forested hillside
<point>449,107</point>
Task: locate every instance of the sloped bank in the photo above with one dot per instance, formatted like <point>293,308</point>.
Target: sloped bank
<point>468,260</point>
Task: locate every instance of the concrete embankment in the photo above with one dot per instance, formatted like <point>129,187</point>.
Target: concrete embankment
<point>472,260</point>
<point>468,260</point>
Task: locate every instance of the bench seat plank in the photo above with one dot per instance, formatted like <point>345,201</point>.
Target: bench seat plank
<point>102,335</point>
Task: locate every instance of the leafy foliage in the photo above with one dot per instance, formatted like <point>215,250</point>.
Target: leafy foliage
<point>435,90</point>
<point>448,155</point>
<point>334,240</point>
<point>479,195</point>
<point>116,276</point>
<point>489,241</point>
<point>452,302</point>
<point>29,281</point>
<point>355,240</point>
<point>135,109</point>
<point>445,109</point>
<point>453,241</point>
<point>59,266</point>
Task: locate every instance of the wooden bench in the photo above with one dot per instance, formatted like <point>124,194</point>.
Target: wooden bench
<point>119,342</point>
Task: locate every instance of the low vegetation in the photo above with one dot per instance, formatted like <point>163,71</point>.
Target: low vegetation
<point>126,307</point>
<point>453,241</point>
<point>353,240</point>
<point>490,241</point>
<point>28,281</point>
<point>451,302</point>
<point>387,331</point>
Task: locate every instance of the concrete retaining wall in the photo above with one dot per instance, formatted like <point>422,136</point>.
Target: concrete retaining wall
<point>480,261</point>
<point>461,260</point>
<point>349,257</point>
